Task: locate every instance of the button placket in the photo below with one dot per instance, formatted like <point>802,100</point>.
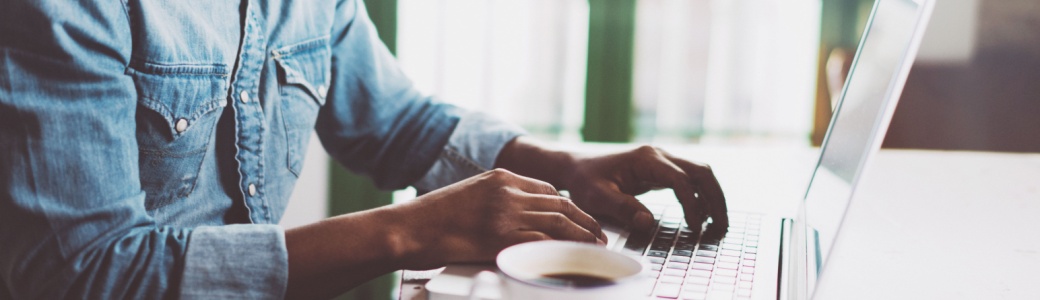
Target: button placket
<point>250,121</point>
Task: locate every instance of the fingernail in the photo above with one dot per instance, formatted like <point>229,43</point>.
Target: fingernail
<point>601,242</point>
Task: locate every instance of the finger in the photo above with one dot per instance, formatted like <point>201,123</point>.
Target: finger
<point>524,236</point>
<point>624,209</point>
<point>558,226</point>
<point>541,203</point>
<point>526,184</point>
<point>710,190</point>
<point>659,170</point>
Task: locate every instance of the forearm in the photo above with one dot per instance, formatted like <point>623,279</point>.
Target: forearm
<point>335,255</point>
<point>525,157</point>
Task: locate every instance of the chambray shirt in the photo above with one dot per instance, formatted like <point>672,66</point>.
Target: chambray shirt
<point>149,147</point>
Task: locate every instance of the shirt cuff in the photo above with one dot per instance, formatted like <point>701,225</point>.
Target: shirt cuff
<point>471,150</point>
<point>245,261</point>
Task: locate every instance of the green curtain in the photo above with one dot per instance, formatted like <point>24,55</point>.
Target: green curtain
<point>349,192</point>
<point>608,86</point>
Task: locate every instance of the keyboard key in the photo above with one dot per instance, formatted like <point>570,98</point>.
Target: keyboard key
<point>749,263</point>
<point>700,266</point>
<point>726,272</point>
<point>702,259</point>
<point>693,296</point>
<point>679,266</point>
<point>744,293</point>
<point>706,253</point>
<point>656,267</point>
<point>723,287</point>
<point>659,247</point>
<point>673,272</point>
<point>671,279</point>
<point>655,260</point>
<point>747,270</point>
<point>682,259</point>
<point>637,244</point>
<point>745,285</point>
<point>710,247</point>
<point>653,274</point>
<point>747,277</point>
<point>694,280</point>
<point>750,256</point>
<point>726,265</point>
<point>724,280</point>
<point>732,247</point>
<point>683,246</point>
<point>700,273</point>
<point>729,259</point>
<point>729,253</point>
<point>719,295</point>
<point>695,288</point>
<point>667,290</point>
<point>750,250</point>
<point>682,252</point>
<point>657,253</point>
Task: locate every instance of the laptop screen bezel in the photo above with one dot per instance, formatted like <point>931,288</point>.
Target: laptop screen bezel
<point>806,265</point>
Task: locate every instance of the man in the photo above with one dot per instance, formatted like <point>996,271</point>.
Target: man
<point>148,150</point>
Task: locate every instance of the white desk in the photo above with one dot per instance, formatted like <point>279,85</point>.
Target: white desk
<point>923,224</point>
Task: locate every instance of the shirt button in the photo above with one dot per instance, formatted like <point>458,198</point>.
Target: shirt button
<point>182,124</point>
<point>252,189</point>
<point>322,91</point>
<point>244,97</point>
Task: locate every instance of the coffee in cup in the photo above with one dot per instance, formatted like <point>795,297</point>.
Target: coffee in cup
<point>568,270</point>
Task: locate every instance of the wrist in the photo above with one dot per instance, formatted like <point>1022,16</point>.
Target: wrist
<point>403,241</point>
<point>527,158</point>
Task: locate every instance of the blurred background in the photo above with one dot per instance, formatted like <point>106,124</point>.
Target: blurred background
<point>747,72</point>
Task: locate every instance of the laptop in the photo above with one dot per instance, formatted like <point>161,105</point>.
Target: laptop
<point>764,256</point>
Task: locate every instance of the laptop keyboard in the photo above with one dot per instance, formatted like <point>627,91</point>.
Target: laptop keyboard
<point>686,268</point>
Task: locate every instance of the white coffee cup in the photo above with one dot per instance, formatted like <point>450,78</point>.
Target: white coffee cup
<point>567,270</point>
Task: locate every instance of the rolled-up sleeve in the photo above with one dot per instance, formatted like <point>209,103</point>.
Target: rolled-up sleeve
<point>72,217</point>
<point>235,262</point>
<point>376,123</point>
<point>471,149</point>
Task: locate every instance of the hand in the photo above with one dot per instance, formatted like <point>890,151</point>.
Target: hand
<point>474,219</point>
<point>604,185</point>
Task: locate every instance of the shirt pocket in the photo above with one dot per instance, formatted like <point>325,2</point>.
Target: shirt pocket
<point>178,109</point>
<point>303,81</point>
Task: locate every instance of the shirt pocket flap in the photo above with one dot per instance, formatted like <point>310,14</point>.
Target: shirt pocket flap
<point>181,94</point>
<point>306,66</point>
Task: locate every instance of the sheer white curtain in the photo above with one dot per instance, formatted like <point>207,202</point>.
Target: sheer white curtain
<point>523,60</point>
<point>726,70</point>
<point>708,70</point>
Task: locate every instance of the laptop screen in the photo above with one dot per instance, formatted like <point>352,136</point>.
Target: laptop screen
<point>860,118</point>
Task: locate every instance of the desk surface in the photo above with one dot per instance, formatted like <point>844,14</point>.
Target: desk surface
<point>923,224</point>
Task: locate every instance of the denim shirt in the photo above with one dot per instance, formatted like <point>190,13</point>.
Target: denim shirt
<point>149,147</point>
